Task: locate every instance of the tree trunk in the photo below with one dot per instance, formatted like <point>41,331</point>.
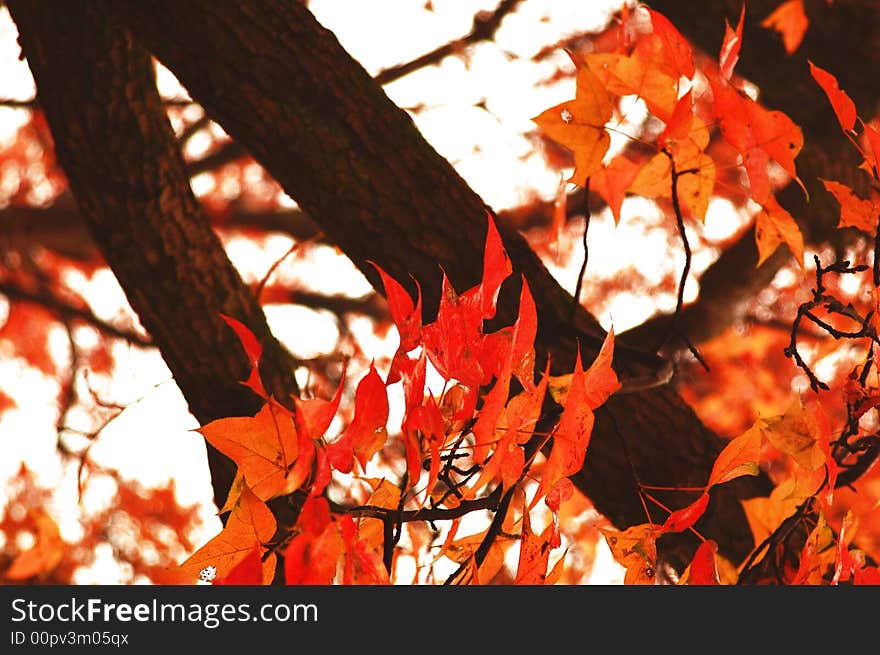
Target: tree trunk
<point>116,146</point>
<point>282,86</point>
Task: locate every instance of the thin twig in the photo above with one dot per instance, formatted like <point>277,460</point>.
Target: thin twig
<point>575,301</point>
<point>484,28</point>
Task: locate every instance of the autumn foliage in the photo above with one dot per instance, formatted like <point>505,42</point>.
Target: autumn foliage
<point>449,462</point>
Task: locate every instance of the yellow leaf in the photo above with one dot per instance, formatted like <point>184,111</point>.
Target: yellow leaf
<point>636,550</point>
<point>798,433</point>
<point>765,514</point>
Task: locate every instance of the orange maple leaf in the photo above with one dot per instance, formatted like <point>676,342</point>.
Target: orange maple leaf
<point>645,73</point>
<point>264,446</point>
<point>579,124</point>
<point>250,525</point>
<point>790,21</point>
<point>534,553</point>
<point>857,212</point>
<point>773,226</point>
<point>739,457</point>
<point>636,550</point>
<point>677,48</point>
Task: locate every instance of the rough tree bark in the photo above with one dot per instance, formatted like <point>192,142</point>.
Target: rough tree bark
<point>282,86</point>
<point>112,137</point>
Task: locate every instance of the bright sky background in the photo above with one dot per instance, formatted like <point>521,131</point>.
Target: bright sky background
<point>153,440</point>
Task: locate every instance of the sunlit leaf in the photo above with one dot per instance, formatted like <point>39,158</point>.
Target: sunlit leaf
<point>775,226</point>
<point>264,447</point>
<point>579,124</point>
<point>635,549</point>
<point>677,48</point>
<point>759,135</point>
<point>728,56</point>
<point>739,457</point>
<point>644,73</point>
<point>534,554</point>
<point>249,571</point>
<point>798,433</point>
<point>250,525</point>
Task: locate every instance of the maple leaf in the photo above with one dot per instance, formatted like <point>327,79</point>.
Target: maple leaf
<point>799,433</point>
<point>427,420</point>
<point>758,135</point>
<point>254,352</point>
<point>645,73</point>
<point>683,141</point>
<point>264,446</point>
<point>773,226</point>
<point>487,419</point>
<point>525,330</point>
<point>367,432</point>
<point>817,555</point>
<point>728,56</point>
<point>765,514</point>
<point>534,553</point>
<point>496,268</point>
<point>313,553</point>
<point>250,525</point>
<point>676,47</point>
<point>600,379</point>
<point>249,571</point>
<point>857,212</point>
<point>514,422</point>
<point>407,317</point>
<point>362,565</point>
<point>579,124</point>
<point>703,569</point>
<point>635,549</point>
<point>571,438</point>
<point>311,559</point>
<point>790,21</point>
<point>845,562</point>
<point>844,107</point>
<point>739,457</point>
<point>613,181</point>
<point>455,338</point>
<point>384,494</point>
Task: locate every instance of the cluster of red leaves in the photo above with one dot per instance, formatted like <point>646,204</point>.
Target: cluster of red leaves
<point>490,386</point>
